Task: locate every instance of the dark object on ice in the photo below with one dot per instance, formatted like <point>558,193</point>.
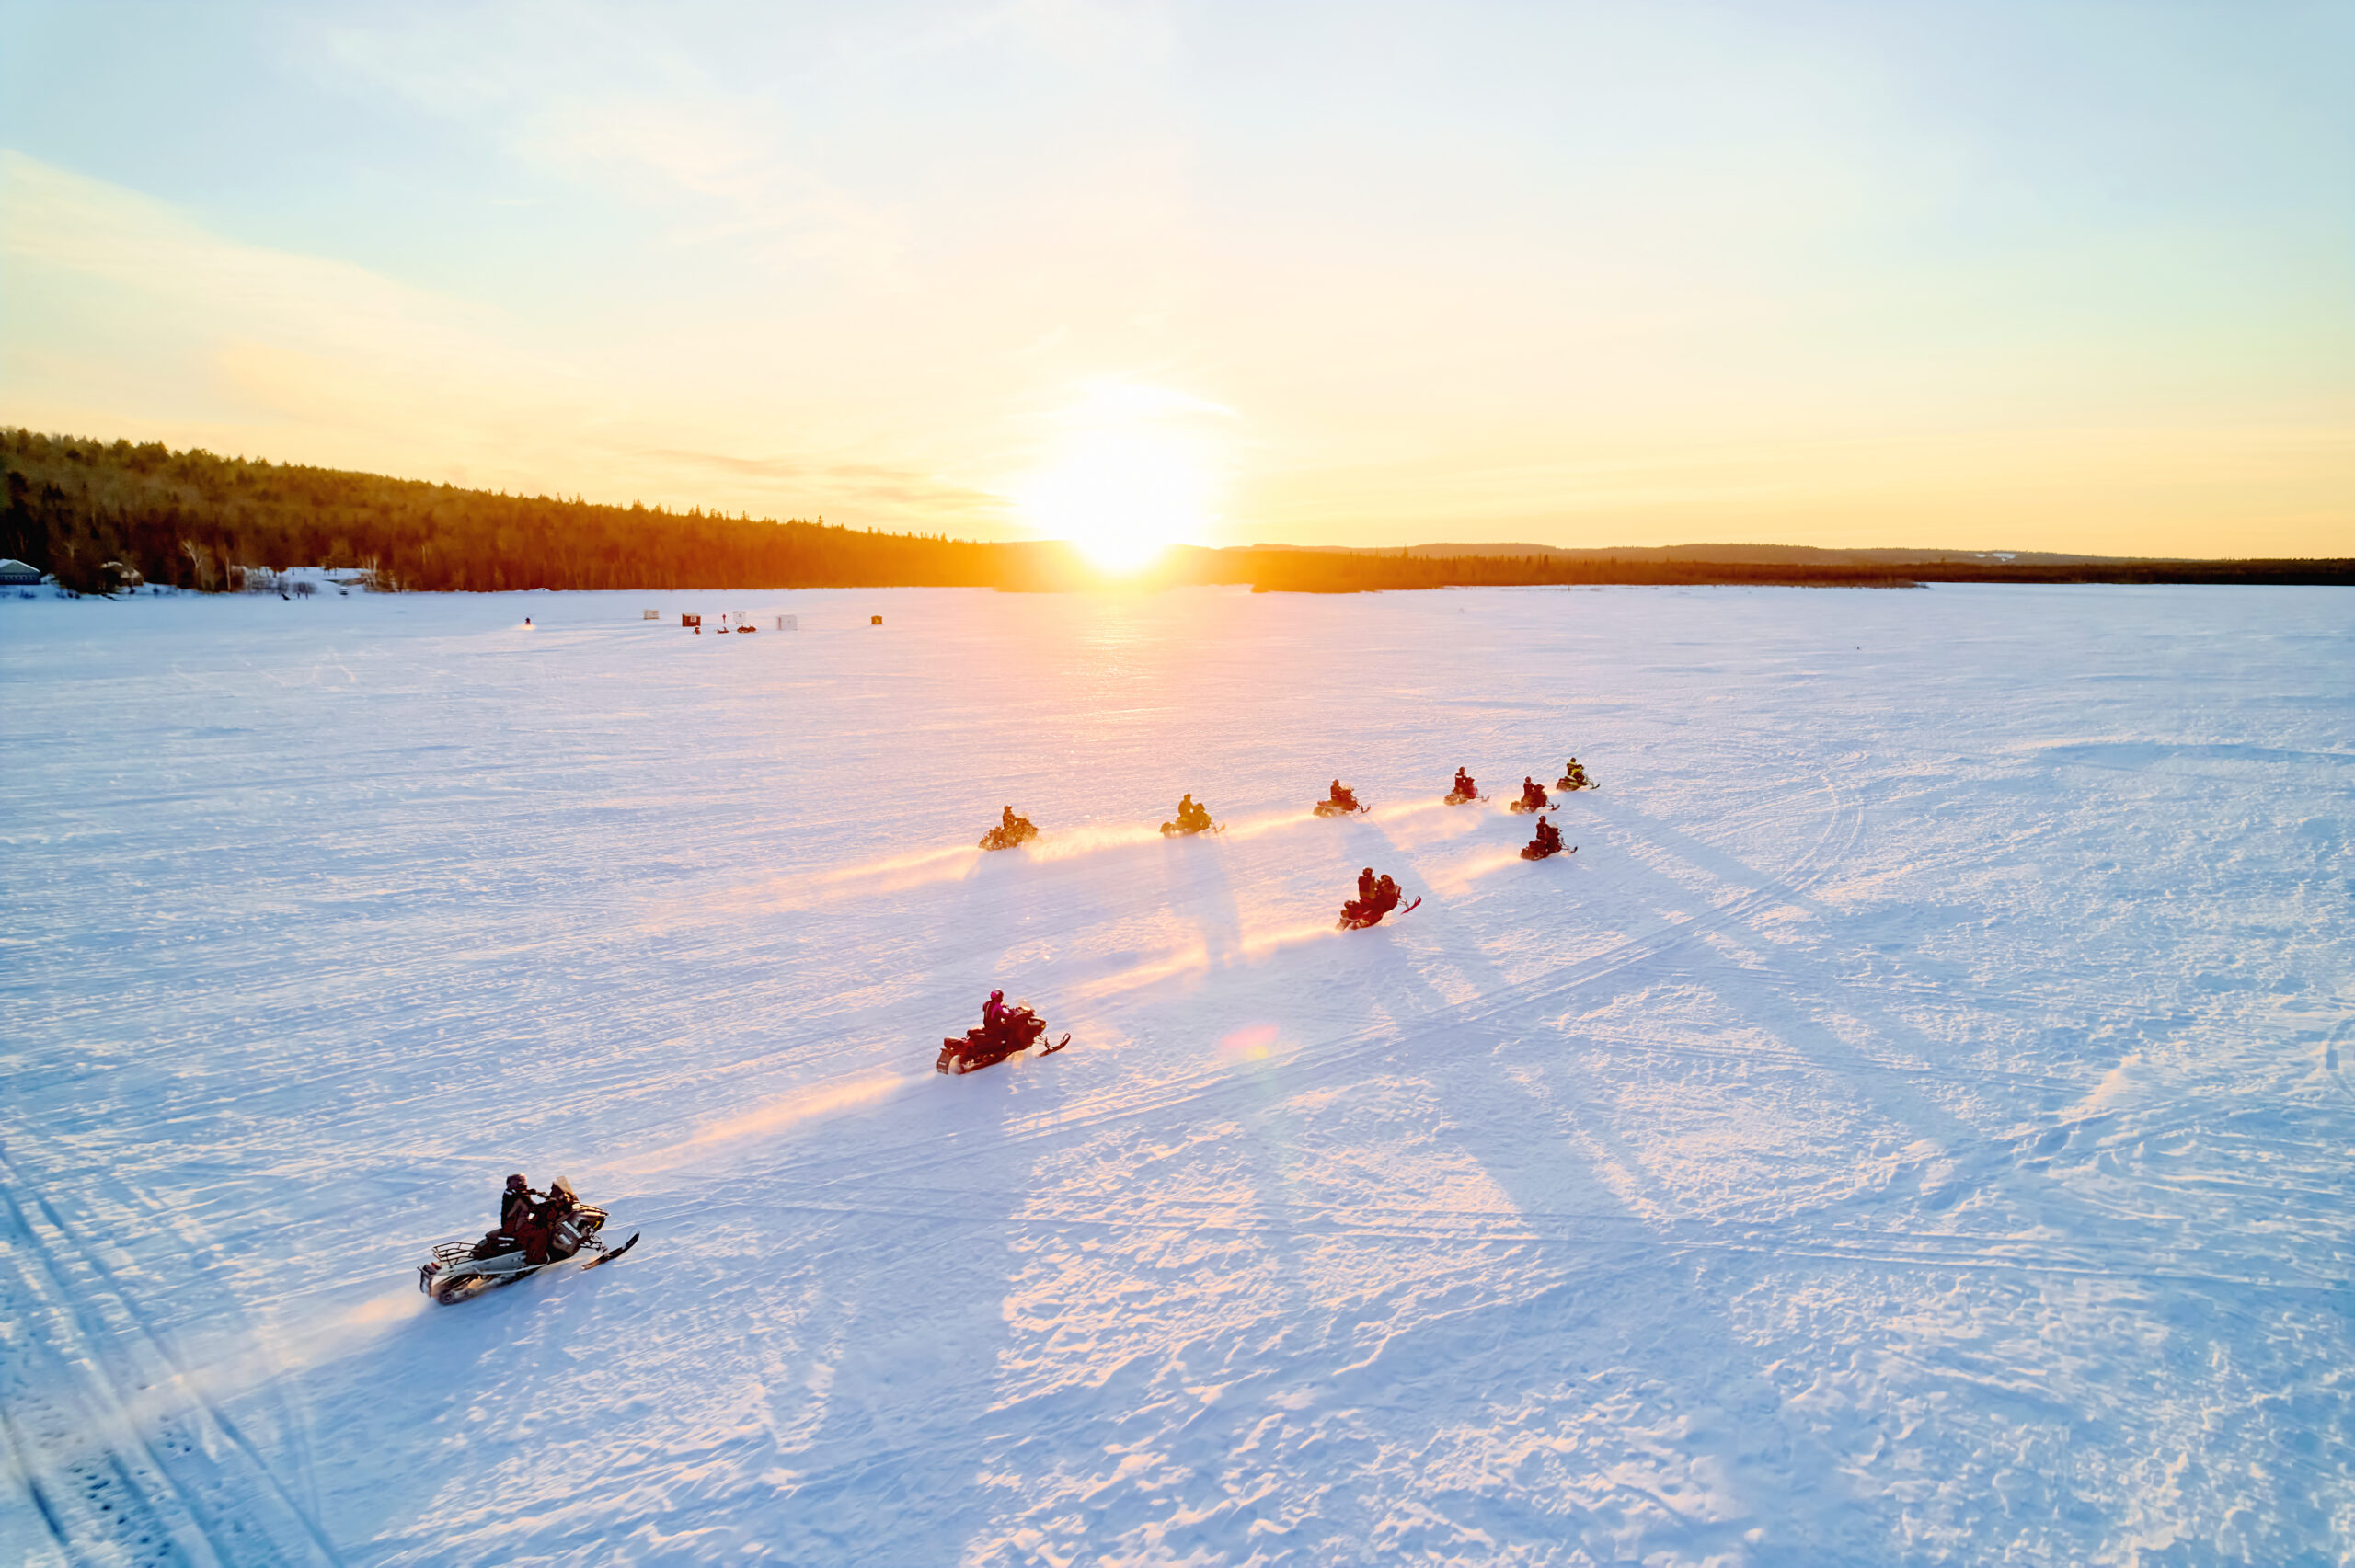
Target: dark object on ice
<point>748,628</point>
<point>1574,777</point>
<point>1376,898</point>
<point>1463,790</point>
<point>1548,841</point>
<point>1191,818</point>
<point>694,621</point>
<point>1532,797</point>
<point>1341,803</point>
<point>539,1231</point>
<point>1010,831</point>
<point>875,620</point>
<point>1004,1031</point>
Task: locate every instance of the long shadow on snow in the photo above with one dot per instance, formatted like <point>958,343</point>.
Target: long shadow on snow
<point>899,1350</point>
<point>1684,1365</point>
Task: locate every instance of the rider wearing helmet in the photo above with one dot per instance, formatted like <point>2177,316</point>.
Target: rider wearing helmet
<point>515,1204</point>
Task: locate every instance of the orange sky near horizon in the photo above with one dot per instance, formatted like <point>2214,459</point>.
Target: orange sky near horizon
<point>1988,277</point>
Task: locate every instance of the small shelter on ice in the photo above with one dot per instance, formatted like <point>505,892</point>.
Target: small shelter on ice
<point>16,573</point>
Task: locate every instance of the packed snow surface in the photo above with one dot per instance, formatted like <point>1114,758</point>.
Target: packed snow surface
<point>1916,1126</point>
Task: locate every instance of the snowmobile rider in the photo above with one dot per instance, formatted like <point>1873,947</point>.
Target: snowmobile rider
<point>1192,818</point>
<point>1366,885</point>
<point>1548,839</point>
<point>1008,823</point>
<point>994,1015</point>
<point>536,1230</point>
<point>515,1204</point>
<point>1386,894</point>
<point>1532,795</point>
<point>1464,784</point>
<point>1347,799</point>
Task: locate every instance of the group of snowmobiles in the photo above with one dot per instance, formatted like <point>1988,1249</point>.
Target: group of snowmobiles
<point>537,1231</point>
<point>1192,817</point>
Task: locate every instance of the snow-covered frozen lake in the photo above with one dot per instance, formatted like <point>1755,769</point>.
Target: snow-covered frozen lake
<point>1918,1125</point>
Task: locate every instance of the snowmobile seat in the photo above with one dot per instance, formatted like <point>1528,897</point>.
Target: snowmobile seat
<point>494,1244</point>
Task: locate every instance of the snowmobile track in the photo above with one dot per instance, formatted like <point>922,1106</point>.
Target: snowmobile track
<point>115,1476</point>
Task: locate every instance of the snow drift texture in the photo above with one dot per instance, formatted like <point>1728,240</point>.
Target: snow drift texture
<point>1914,1128</point>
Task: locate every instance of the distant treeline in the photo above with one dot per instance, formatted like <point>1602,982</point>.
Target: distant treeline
<point>97,514</point>
<point>195,521</point>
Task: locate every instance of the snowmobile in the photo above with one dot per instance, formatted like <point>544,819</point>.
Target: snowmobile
<point>1358,913</point>
<point>1547,844</point>
<point>1345,804</point>
<point>979,1048</point>
<point>1574,777</point>
<point>1463,790</point>
<point>1192,817</point>
<point>460,1271</point>
<point>1525,804</point>
<point>1004,837</point>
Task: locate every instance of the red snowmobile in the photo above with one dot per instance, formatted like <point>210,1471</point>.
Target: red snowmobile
<point>985,1046</point>
<point>1547,842</point>
<point>1358,913</point>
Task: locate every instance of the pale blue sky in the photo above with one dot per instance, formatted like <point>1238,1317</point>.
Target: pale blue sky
<point>2035,276</point>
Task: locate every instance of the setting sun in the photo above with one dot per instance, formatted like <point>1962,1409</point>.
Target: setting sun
<point>1125,480</point>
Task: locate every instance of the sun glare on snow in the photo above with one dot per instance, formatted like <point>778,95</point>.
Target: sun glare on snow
<point>1130,475</point>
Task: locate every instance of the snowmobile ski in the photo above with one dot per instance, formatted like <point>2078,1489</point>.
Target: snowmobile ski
<point>608,1257</point>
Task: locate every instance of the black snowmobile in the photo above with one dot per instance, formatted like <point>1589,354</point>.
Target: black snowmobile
<point>1006,835</point>
<point>1463,790</point>
<point>1192,817</point>
<point>982,1046</point>
<point>460,1271</point>
<point>1532,798</point>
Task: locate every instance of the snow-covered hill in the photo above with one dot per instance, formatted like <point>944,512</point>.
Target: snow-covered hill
<point>1915,1127</point>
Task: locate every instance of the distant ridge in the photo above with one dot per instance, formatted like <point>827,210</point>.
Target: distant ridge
<point>1755,554</point>
<point>98,514</point>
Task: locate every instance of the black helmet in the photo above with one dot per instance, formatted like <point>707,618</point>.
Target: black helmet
<point>1369,871</point>
<point>997,996</point>
<point>516,1183</point>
